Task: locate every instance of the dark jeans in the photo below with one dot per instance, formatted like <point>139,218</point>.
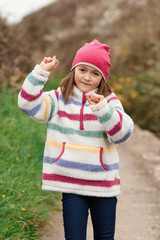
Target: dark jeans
<point>75,216</point>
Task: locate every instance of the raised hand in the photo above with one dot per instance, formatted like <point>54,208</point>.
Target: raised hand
<point>94,98</point>
<point>49,63</point>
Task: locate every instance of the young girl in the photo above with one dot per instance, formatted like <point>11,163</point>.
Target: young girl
<point>85,122</point>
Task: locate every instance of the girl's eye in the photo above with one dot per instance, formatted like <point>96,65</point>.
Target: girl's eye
<point>82,69</point>
<point>96,74</point>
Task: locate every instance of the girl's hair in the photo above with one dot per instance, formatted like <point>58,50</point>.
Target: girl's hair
<point>67,84</point>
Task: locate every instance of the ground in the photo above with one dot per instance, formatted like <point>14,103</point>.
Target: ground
<point>138,209</point>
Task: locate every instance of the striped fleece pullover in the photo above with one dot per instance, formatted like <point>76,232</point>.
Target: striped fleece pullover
<point>80,153</point>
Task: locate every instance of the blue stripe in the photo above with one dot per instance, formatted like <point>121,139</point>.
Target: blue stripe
<point>81,166</point>
<point>71,101</point>
<point>32,111</point>
<point>124,138</point>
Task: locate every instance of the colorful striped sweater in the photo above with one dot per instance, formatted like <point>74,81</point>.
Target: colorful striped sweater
<point>80,153</point>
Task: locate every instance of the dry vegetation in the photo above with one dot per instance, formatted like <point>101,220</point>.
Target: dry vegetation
<point>14,56</point>
<point>65,25</point>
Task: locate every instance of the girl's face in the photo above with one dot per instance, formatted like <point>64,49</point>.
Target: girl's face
<point>87,78</point>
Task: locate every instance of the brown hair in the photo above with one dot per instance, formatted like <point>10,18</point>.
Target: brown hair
<point>67,84</point>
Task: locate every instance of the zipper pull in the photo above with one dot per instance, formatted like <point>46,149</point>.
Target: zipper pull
<point>82,111</point>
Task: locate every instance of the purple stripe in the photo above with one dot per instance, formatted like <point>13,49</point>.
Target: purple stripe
<point>71,101</point>
<point>32,111</point>
<point>123,139</point>
<point>81,166</point>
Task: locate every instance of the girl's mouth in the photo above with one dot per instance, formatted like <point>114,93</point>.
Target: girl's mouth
<point>85,83</point>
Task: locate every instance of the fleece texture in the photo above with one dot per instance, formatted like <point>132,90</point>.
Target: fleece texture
<point>80,153</point>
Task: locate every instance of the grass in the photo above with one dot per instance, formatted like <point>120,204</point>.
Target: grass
<point>24,207</point>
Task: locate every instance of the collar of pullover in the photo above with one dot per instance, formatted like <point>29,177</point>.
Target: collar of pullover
<point>78,95</point>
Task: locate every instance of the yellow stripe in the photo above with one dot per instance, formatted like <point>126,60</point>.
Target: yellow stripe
<point>81,148</point>
<point>53,143</point>
<point>46,109</point>
<point>109,149</point>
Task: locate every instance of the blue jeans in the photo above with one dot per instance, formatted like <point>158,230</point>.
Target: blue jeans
<point>75,216</point>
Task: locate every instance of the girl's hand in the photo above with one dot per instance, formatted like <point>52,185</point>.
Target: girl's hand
<point>49,63</point>
<point>94,98</point>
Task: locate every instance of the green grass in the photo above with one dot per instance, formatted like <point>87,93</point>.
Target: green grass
<point>24,207</point>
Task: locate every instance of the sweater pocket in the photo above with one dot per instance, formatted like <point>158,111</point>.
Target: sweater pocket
<point>79,161</point>
<point>101,160</point>
<point>61,153</point>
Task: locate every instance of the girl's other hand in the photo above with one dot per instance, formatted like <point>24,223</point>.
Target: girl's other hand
<point>49,63</point>
<point>94,98</point>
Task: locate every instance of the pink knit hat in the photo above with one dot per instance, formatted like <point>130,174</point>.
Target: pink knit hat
<point>96,55</point>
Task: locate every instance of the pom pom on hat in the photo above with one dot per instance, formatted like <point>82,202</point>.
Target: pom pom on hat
<point>96,55</point>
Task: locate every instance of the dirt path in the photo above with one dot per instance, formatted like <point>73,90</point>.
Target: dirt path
<point>138,210</point>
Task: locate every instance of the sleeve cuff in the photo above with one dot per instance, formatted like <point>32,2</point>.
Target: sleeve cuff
<point>39,70</point>
<point>98,106</point>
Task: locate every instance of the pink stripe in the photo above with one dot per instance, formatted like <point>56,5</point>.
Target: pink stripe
<point>70,116</point>
<point>86,117</point>
<point>56,93</point>
<point>90,117</point>
<point>112,98</point>
<point>117,127</point>
<point>30,97</point>
<point>55,177</point>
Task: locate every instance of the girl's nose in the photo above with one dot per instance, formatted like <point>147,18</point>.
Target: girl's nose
<point>87,76</point>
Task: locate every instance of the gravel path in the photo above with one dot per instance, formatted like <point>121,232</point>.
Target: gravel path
<point>138,209</point>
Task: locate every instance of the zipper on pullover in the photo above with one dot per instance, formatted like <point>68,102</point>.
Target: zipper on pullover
<point>82,112</point>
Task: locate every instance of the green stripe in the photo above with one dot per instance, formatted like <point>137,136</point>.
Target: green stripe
<point>106,116</point>
<point>34,81</point>
<point>91,134</point>
<point>119,108</point>
<point>52,107</point>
